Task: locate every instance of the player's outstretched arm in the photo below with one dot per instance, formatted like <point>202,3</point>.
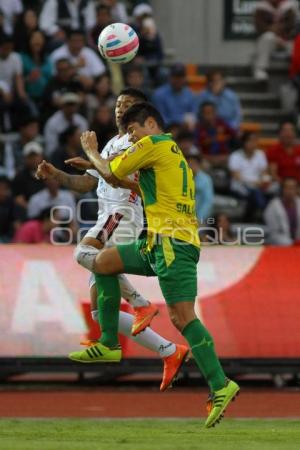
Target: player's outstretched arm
<point>78,183</point>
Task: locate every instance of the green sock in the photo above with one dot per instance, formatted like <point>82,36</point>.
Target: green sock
<point>202,346</point>
<point>109,299</point>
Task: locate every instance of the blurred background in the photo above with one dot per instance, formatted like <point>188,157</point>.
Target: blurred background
<point>226,77</point>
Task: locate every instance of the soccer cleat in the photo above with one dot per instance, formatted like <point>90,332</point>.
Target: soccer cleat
<point>142,318</point>
<point>97,353</point>
<point>218,402</point>
<point>172,365</point>
<point>88,342</point>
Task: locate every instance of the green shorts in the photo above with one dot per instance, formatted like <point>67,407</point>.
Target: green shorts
<point>173,262</point>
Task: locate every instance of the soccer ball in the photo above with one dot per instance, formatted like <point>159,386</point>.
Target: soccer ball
<point>118,43</point>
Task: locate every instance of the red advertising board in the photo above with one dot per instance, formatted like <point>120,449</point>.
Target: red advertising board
<point>248,298</point>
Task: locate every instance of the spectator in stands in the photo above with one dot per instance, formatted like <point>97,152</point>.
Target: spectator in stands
<point>25,25</point>
<point>214,136</point>
<point>11,78</point>
<point>118,11</point>
<point>104,125</point>
<point>175,101</point>
<point>66,116</point>
<point>37,69</point>
<point>102,94</point>
<point>69,147</point>
<point>65,80</point>
<point>28,131</point>
<point>140,13</point>
<point>25,184</point>
<point>224,233</point>
<point>282,215</point>
<point>249,172</point>
<point>226,101</point>
<point>86,62</point>
<point>51,196</point>
<point>103,19</point>
<point>36,231</point>
<point>58,15</point>
<point>135,78</point>
<point>275,22</point>
<point>186,143</point>
<point>11,9</point>
<point>11,214</point>
<point>151,50</point>
<point>175,129</point>
<point>284,157</point>
<point>204,191</point>
<point>6,98</point>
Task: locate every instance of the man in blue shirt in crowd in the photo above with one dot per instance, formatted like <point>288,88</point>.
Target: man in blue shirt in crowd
<point>227,102</point>
<point>174,100</point>
<point>204,190</point>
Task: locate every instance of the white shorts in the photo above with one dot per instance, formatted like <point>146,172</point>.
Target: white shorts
<point>113,229</point>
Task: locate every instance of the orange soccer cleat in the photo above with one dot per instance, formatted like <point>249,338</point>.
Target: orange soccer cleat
<point>89,342</point>
<point>143,316</point>
<point>172,365</point>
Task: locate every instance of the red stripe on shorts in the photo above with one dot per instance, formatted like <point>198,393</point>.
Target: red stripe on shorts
<point>109,227</point>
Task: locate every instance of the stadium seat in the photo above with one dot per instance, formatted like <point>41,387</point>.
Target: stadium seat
<point>266,143</point>
<point>251,126</point>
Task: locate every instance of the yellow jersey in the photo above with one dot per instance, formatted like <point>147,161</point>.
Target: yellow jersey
<point>167,185</point>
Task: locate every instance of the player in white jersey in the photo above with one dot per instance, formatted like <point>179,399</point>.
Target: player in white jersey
<point>120,218</point>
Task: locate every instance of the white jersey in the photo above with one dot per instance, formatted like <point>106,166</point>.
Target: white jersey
<point>117,206</point>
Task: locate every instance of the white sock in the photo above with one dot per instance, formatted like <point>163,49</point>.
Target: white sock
<point>147,338</point>
<point>129,293</point>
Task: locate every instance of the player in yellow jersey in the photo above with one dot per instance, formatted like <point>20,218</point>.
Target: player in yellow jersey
<point>171,249</point>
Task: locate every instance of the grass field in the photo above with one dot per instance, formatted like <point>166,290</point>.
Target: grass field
<point>68,434</point>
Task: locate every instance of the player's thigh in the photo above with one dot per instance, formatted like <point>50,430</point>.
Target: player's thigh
<point>176,268</point>
<point>136,258</point>
<point>109,262</point>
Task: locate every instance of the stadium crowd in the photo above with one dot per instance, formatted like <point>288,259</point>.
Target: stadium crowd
<point>54,85</point>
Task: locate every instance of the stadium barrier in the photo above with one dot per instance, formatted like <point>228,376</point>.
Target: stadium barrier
<point>248,299</point>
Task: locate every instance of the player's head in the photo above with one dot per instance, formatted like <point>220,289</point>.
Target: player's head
<point>142,119</point>
<point>127,98</point>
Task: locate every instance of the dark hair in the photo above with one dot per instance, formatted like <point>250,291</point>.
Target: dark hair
<point>65,135</point>
<point>198,158</point>
<point>140,112</point>
<point>184,134</point>
<point>44,214</point>
<point>27,120</point>
<point>102,7</point>
<point>5,180</point>
<point>285,179</point>
<point>207,104</point>
<point>247,136</point>
<point>63,60</point>
<point>43,50</point>
<point>72,31</point>
<point>6,38</point>
<point>211,75</point>
<point>135,93</point>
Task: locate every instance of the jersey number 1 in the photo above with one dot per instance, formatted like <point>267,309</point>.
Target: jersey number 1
<point>184,168</point>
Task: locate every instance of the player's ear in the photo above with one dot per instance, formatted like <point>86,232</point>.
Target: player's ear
<point>150,123</point>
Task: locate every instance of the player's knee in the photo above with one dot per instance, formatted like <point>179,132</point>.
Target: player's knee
<point>85,255</point>
<point>176,320</point>
<point>103,263</point>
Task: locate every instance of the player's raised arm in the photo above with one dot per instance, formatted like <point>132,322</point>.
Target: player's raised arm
<point>78,183</point>
<point>90,147</point>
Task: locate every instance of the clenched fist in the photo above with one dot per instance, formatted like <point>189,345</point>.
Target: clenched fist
<point>45,171</point>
